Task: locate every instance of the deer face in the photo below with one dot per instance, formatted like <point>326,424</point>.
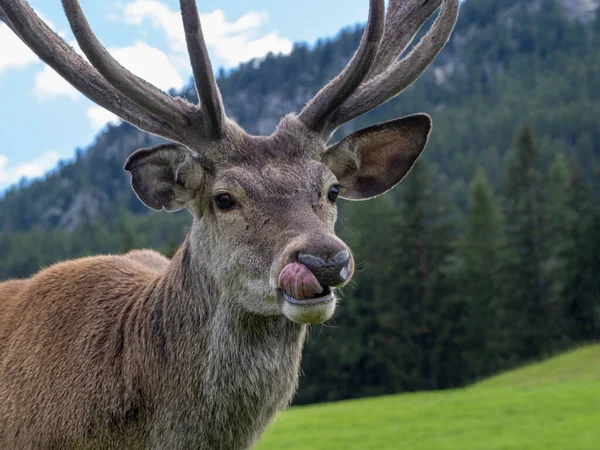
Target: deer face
<point>265,207</point>
<point>273,226</point>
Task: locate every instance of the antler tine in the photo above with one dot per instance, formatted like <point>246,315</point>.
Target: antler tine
<point>55,52</point>
<point>400,75</point>
<point>204,78</point>
<point>403,20</point>
<point>146,95</point>
<point>4,18</point>
<point>316,113</point>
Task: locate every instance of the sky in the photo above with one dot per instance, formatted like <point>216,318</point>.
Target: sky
<point>43,119</point>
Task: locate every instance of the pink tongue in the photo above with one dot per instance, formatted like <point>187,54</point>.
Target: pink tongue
<point>296,279</point>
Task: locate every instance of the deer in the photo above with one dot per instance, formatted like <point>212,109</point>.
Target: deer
<point>201,351</point>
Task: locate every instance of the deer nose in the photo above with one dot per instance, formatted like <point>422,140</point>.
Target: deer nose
<point>331,272</point>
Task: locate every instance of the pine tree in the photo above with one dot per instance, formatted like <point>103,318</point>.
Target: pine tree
<point>583,285</point>
<point>525,308</point>
<point>558,221</point>
<point>419,319</point>
<point>129,239</point>
<point>478,271</point>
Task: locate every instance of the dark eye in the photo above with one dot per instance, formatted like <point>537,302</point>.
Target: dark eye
<point>333,194</point>
<point>224,201</point>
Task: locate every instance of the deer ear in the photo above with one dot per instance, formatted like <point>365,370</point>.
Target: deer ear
<point>373,160</point>
<point>167,176</point>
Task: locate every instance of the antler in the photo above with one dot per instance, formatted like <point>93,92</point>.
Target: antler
<point>110,85</point>
<point>386,78</point>
<point>317,112</point>
<point>370,78</point>
<point>402,21</point>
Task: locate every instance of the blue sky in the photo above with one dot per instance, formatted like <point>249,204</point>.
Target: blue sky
<point>44,119</point>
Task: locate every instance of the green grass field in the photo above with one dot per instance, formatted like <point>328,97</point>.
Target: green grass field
<point>551,405</point>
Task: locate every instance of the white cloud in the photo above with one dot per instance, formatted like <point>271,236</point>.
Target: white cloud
<point>160,16</point>
<point>231,42</point>
<point>99,117</point>
<point>235,49</point>
<point>13,53</point>
<point>147,62</point>
<point>150,64</point>
<point>49,84</point>
<point>12,173</point>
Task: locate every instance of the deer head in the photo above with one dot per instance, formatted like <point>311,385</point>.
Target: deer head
<point>264,207</point>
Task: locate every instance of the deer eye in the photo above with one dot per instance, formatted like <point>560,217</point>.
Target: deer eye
<point>333,194</point>
<point>224,201</point>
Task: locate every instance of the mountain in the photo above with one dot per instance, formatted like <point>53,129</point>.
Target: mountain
<point>507,63</point>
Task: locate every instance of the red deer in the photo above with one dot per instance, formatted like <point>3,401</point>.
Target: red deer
<point>138,352</point>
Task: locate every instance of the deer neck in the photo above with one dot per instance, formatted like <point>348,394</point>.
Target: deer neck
<point>219,364</point>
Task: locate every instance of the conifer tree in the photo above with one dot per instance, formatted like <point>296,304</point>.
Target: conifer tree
<point>583,280</point>
<point>525,309</point>
<point>129,239</point>
<point>558,222</point>
<point>479,278</point>
<point>419,319</point>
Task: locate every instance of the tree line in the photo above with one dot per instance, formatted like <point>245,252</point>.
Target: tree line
<point>441,298</point>
<point>441,302</point>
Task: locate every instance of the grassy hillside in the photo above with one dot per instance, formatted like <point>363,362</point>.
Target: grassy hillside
<point>551,405</point>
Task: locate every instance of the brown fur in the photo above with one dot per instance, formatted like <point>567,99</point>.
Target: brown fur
<point>150,259</point>
<point>90,362</point>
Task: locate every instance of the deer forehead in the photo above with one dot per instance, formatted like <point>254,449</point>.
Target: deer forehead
<point>275,179</point>
<point>290,149</point>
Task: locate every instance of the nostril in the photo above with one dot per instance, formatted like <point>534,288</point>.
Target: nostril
<point>345,272</point>
<point>330,273</point>
<point>293,257</point>
<point>341,258</point>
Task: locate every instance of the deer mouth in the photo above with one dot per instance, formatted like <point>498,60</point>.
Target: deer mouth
<point>300,286</point>
<point>323,297</point>
<point>302,299</point>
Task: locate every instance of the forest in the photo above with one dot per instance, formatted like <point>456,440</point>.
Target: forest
<point>486,257</point>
